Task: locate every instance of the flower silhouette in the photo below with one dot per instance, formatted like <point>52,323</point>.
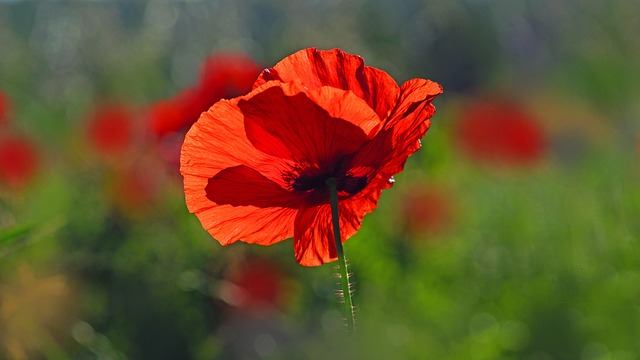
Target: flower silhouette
<point>255,167</point>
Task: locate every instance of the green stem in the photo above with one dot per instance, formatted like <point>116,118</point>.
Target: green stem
<point>342,261</point>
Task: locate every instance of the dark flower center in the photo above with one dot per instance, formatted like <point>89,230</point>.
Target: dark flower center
<point>345,183</point>
<point>313,181</point>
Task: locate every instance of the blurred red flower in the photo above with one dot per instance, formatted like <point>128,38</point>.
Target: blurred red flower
<point>165,116</point>
<point>225,76</point>
<point>5,108</point>
<point>110,129</point>
<point>18,161</point>
<point>222,76</point>
<point>176,114</point>
<point>501,132</point>
<point>255,166</point>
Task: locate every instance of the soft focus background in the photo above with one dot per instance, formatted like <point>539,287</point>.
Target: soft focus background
<point>512,234</point>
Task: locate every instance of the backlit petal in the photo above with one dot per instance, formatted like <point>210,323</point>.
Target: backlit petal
<point>217,142</point>
<point>250,224</point>
<point>314,243</point>
<point>335,68</point>
<point>228,223</point>
<point>315,127</point>
<point>387,153</point>
<point>244,186</point>
<point>413,94</point>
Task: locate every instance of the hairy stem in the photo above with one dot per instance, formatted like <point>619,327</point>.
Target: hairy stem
<point>342,261</point>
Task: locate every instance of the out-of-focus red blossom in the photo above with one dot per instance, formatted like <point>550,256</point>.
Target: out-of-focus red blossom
<point>166,119</point>
<point>426,210</point>
<point>257,284</point>
<point>110,129</point>
<point>222,76</point>
<point>133,189</point>
<point>501,132</point>
<point>226,76</point>
<point>18,161</point>
<point>255,167</point>
<point>173,115</point>
<point>5,108</point>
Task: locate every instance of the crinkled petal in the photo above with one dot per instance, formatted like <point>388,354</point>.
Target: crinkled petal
<point>335,68</point>
<point>387,153</point>
<point>315,126</point>
<point>414,94</point>
<point>217,141</point>
<point>250,224</point>
<point>314,243</point>
<point>244,186</point>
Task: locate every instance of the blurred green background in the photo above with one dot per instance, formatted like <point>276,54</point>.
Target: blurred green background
<point>516,242</point>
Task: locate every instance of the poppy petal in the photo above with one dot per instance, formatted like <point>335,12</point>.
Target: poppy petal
<point>353,209</point>
<point>410,120</point>
<point>414,93</point>
<point>217,141</point>
<point>244,186</point>
<point>337,69</point>
<point>389,150</point>
<point>228,223</point>
<point>250,224</point>
<point>313,242</point>
<point>316,126</point>
<point>217,162</point>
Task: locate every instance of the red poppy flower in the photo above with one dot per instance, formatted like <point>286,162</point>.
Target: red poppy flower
<point>110,129</point>
<point>255,166</point>
<point>500,131</point>
<point>4,108</point>
<point>18,161</point>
